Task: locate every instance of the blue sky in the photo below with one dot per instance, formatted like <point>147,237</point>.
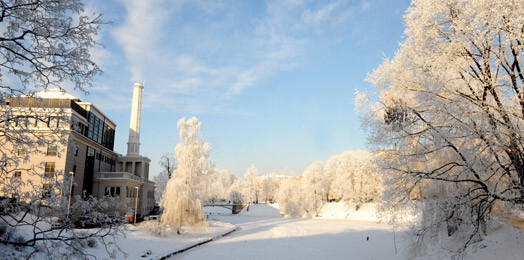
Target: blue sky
<point>271,81</point>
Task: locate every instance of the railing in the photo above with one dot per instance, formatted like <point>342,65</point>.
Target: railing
<point>119,175</point>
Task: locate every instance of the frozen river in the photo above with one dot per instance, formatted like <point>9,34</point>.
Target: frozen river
<point>281,238</point>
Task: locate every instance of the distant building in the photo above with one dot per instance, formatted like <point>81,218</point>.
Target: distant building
<point>87,151</point>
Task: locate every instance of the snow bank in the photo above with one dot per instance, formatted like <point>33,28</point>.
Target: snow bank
<point>261,210</point>
<point>138,241</point>
<point>504,243</point>
<point>366,212</point>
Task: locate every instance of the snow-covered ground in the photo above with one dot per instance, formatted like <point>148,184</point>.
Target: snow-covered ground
<point>261,210</point>
<point>339,233</point>
<point>138,241</point>
<point>265,234</point>
<point>366,212</point>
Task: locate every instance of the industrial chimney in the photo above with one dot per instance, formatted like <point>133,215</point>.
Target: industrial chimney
<point>133,145</point>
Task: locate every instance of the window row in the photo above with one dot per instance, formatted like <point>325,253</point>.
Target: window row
<point>52,150</point>
<point>35,121</point>
<point>131,192</point>
<point>49,171</point>
<point>106,159</point>
<point>112,191</point>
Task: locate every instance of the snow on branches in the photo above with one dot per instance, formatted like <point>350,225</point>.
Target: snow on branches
<point>450,114</point>
<point>185,190</point>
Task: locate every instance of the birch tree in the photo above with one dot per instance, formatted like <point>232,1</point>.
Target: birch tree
<point>184,194</point>
<point>450,115</point>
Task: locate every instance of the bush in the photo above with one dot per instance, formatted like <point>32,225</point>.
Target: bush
<point>155,228</point>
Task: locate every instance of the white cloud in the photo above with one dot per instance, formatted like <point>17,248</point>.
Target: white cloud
<point>141,33</point>
<point>322,14</point>
<point>198,50</point>
<point>190,66</point>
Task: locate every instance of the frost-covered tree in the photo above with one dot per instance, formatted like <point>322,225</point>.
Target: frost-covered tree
<point>167,165</point>
<point>185,190</point>
<point>219,183</point>
<point>450,115</point>
<point>43,43</point>
<point>356,177</point>
<point>251,189</point>
<point>314,183</point>
<point>269,186</point>
<point>291,199</point>
<point>235,191</point>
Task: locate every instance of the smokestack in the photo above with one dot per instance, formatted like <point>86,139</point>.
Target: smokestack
<point>133,145</point>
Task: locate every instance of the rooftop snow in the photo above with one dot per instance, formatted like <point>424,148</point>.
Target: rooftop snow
<point>55,93</point>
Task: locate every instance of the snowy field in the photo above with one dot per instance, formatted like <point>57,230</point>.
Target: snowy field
<point>263,233</point>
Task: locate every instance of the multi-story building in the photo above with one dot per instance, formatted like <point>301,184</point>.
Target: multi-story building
<point>83,148</point>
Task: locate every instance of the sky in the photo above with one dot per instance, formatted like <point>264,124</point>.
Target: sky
<point>272,82</point>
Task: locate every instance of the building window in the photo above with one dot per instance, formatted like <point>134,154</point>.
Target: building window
<point>90,152</point>
<point>46,190</point>
<point>91,125</point>
<point>96,123</point>
<point>49,169</point>
<point>75,150</point>
<point>41,122</point>
<point>53,122</point>
<point>17,174</point>
<point>20,152</point>
<point>112,191</point>
<point>52,149</point>
<point>31,122</point>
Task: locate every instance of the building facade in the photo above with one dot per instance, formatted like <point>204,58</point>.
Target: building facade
<point>79,142</point>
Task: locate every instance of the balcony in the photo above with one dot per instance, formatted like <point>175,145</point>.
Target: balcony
<point>119,176</point>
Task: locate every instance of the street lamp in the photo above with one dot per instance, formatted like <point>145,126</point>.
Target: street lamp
<point>70,191</point>
<point>136,204</point>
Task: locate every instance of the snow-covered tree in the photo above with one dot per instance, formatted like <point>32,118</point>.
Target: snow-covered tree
<point>269,186</point>
<point>185,190</point>
<point>356,177</point>
<point>219,183</point>
<point>251,189</point>
<point>314,183</point>
<point>450,114</point>
<point>235,191</point>
<point>43,43</point>
<point>167,165</point>
<point>292,200</point>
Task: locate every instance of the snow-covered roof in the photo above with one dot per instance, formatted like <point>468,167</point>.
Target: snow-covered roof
<point>55,93</point>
